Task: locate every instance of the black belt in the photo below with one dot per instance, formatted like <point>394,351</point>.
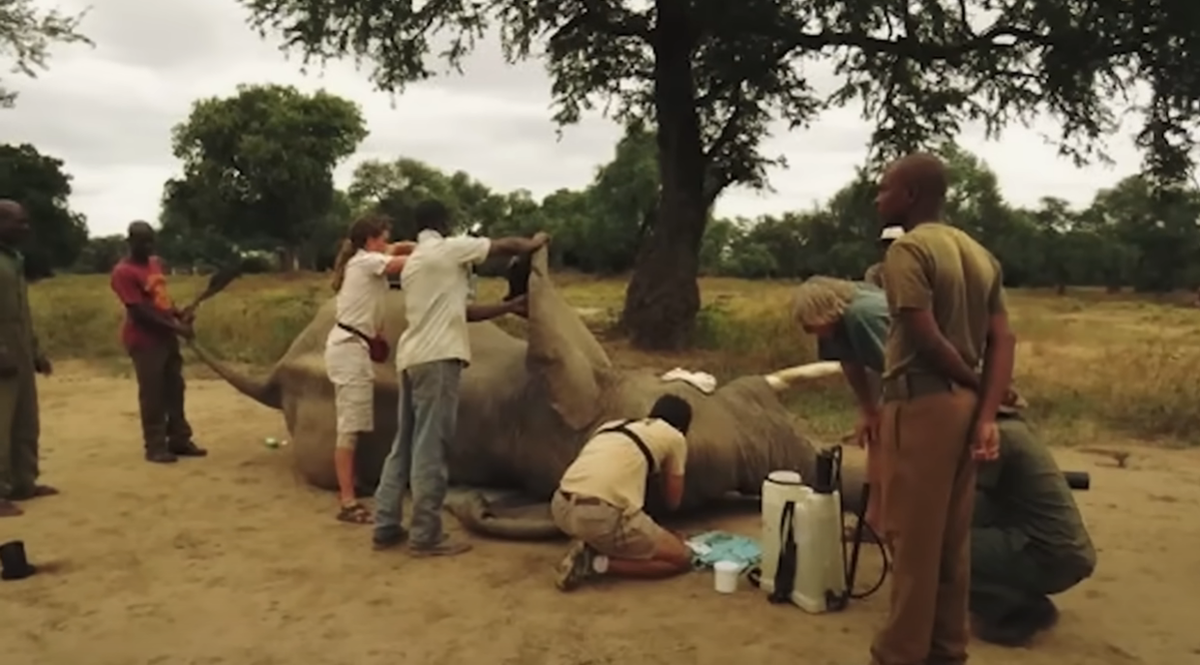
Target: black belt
<point>911,386</point>
<point>582,500</point>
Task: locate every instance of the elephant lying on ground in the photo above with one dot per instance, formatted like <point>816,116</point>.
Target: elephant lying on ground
<point>528,406</point>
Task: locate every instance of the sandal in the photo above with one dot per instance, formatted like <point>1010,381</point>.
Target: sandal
<point>9,509</point>
<point>37,491</point>
<point>354,513</point>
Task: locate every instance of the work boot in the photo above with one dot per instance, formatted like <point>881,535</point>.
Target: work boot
<point>444,547</point>
<point>161,456</point>
<point>576,567</point>
<point>188,449</point>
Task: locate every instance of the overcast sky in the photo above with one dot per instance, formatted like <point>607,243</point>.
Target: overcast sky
<point>108,111</point>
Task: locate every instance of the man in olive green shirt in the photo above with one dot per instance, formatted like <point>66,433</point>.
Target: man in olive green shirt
<point>1028,539</point>
<point>20,359</point>
<point>948,318</point>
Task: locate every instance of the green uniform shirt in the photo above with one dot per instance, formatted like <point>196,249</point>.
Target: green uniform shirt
<point>1026,491</point>
<point>18,344</point>
<point>940,268</point>
<point>860,336</point>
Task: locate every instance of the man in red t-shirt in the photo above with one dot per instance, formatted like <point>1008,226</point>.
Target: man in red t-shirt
<point>150,335</point>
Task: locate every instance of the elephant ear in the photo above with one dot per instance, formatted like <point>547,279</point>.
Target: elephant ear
<point>562,350</point>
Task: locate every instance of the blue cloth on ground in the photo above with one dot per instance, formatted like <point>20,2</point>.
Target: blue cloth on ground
<point>713,546</point>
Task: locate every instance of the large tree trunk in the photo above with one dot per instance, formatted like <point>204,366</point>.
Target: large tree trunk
<point>663,296</point>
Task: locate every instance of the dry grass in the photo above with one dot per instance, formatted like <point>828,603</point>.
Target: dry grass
<point>1092,365</point>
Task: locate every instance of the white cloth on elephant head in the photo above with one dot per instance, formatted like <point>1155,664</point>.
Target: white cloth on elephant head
<point>350,370</point>
<point>437,288</point>
<point>360,300</point>
<point>703,381</point>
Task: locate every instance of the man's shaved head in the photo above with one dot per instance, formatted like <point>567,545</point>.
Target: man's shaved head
<point>140,240</point>
<point>14,222</point>
<point>912,190</point>
<point>10,209</point>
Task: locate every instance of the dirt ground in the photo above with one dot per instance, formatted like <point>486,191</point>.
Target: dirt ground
<point>231,560</point>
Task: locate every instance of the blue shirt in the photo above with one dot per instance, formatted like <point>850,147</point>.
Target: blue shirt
<point>860,336</point>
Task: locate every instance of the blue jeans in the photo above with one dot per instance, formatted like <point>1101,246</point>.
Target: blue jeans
<point>428,415</point>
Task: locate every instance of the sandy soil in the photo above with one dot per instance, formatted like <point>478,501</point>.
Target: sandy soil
<point>230,559</point>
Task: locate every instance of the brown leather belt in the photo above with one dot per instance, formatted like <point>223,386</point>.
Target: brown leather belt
<point>911,386</point>
<point>581,500</point>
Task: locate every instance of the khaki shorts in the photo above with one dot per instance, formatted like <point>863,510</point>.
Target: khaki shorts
<point>606,527</point>
<point>349,369</point>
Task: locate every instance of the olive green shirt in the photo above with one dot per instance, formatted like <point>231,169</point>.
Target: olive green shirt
<point>18,344</point>
<point>940,268</point>
<point>1024,489</point>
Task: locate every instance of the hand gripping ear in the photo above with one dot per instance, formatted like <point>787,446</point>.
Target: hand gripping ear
<point>562,351</point>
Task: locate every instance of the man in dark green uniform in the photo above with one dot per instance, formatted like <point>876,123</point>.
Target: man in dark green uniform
<point>20,358</point>
<point>1028,540</point>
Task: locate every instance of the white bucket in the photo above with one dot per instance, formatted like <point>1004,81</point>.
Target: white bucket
<point>725,576</point>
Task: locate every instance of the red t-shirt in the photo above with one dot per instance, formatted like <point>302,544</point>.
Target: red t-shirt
<point>141,283</point>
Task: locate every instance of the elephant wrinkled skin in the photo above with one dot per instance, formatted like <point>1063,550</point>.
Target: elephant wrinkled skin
<point>527,407</point>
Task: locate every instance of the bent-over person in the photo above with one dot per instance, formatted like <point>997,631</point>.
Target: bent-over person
<point>150,334</point>
<point>850,321</point>
<point>20,360</point>
<point>948,315</point>
<point>601,498</point>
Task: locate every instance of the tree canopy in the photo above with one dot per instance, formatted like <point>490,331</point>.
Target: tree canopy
<point>38,183</point>
<point>712,74</point>
<point>26,35</point>
<point>258,167</point>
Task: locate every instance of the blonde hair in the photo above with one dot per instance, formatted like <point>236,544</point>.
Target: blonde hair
<point>820,300</point>
<point>357,236</point>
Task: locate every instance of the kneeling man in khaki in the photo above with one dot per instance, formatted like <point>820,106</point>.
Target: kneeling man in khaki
<point>600,499</point>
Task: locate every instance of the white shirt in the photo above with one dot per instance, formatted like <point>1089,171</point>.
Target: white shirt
<point>360,301</point>
<point>437,287</point>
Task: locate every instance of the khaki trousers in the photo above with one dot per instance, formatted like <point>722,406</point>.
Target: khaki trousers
<point>928,495</point>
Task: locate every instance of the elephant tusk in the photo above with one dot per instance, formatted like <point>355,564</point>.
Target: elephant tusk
<point>792,376</point>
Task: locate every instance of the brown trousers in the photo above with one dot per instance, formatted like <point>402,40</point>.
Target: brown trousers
<point>928,495</point>
<point>159,370</point>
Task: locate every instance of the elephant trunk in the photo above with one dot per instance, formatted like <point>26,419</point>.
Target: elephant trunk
<point>531,522</point>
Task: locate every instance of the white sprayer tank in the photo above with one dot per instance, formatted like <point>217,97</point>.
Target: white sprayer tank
<point>817,532</point>
<point>778,488</point>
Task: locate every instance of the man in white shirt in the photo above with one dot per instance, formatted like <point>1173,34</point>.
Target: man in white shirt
<point>430,358</point>
<point>601,497</point>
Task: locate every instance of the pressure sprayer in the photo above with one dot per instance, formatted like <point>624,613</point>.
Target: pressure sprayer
<point>805,559</point>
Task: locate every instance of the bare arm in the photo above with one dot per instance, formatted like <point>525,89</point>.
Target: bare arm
<point>673,490</point>
<point>485,312</point>
<point>395,265</point>
<point>402,248</point>
<point>148,315</point>
<point>516,245</point>
<point>999,356</point>
<point>856,376</point>
<point>932,345</point>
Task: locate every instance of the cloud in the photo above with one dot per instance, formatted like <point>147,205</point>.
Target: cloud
<point>107,112</point>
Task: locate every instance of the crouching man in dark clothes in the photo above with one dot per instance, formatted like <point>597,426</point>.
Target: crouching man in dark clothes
<point>1028,539</point>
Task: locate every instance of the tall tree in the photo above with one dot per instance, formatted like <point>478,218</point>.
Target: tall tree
<point>26,34</point>
<point>258,166</point>
<point>712,73</point>
<point>39,183</point>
